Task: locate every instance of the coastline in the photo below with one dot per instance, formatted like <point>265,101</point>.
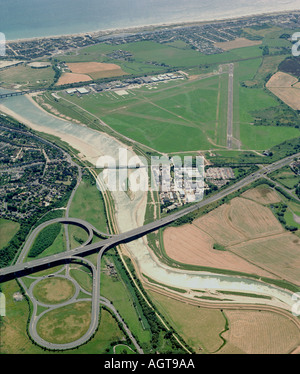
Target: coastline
<point>148,27</point>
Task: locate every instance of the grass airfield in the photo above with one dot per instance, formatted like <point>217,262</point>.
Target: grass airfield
<point>185,115</point>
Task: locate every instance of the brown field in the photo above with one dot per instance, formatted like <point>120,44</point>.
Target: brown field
<point>254,240</point>
<point>226,233</point>
<point>237,43</point>
<point>69,78</point>
<point>96,70</point>
<point>285,87</point>
<point>263,195</point>
<point>253,219</point>
<point>278,254</point>
<point>190,245</point>
<point>238,221</point>
<point>91,67</point>
<point>87,71</point>
<point>259,332</point>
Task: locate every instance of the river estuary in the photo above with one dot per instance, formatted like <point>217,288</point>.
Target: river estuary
<point>130,212</point>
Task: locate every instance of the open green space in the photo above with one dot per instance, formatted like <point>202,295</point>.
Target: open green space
<point>201,329</point>
<point>8,230</point>
<point>286,177</point>
<point>151,57</point>
<point>251,100</point>
<point>118,290</point>
<point>14,338</point>
<point>162,118</point>
<point>65,324</point>
<point>77,236</point>
<point>53,290</point>
<point>191,114</point>
<point>25,77</point>
<point>88,205</point>
<point>44,239</point>
<point>83,276</point>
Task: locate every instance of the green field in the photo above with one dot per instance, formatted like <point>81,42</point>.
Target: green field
<point>88,205</point>
<point>186,115</point>
<point>26,78</point>
<point>286,177</point>
<point>190,114</point>
<point>161,118</point>
<point>150,57</point>
<point>8,230</point>
<point>54,244</point>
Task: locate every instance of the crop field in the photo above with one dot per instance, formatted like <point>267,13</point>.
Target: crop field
<point>198,250</point>
<point>286,87</point>
<point>259,332</point>
<point>263,195</point>
<point>245,331</point>
<point>278,254</point>
<point>69,78</point>
<point>238,43</point>
<point>253,239</point>
<point>87,71</point>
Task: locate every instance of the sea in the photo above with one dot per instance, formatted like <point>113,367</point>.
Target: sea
<point>23,19</point>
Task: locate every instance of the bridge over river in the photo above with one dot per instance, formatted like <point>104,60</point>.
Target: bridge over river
<point>19,93</point>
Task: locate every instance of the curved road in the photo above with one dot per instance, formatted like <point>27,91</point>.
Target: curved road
<point>16,270</point>
<point>23,268</point>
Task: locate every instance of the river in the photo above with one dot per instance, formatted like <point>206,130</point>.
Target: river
<point>130,212</point>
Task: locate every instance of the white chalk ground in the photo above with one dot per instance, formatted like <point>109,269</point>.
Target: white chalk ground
<point>130,212</point>
<point>6,64</point>
<point>121,92</point>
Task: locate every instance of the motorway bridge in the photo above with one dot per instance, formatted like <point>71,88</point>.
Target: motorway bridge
<point>23,268</point>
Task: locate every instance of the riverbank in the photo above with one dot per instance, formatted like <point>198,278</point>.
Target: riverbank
<point>130,213</point>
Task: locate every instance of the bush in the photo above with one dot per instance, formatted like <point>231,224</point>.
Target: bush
<point>44,239</point>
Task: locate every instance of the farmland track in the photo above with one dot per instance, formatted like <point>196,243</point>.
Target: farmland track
<point>223,305</point>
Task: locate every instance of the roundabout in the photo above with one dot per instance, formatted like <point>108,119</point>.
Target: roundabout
<point>72,312</point>
<point>23,269</point>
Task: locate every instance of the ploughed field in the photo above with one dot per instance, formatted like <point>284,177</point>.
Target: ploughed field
<point>243,235</point>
